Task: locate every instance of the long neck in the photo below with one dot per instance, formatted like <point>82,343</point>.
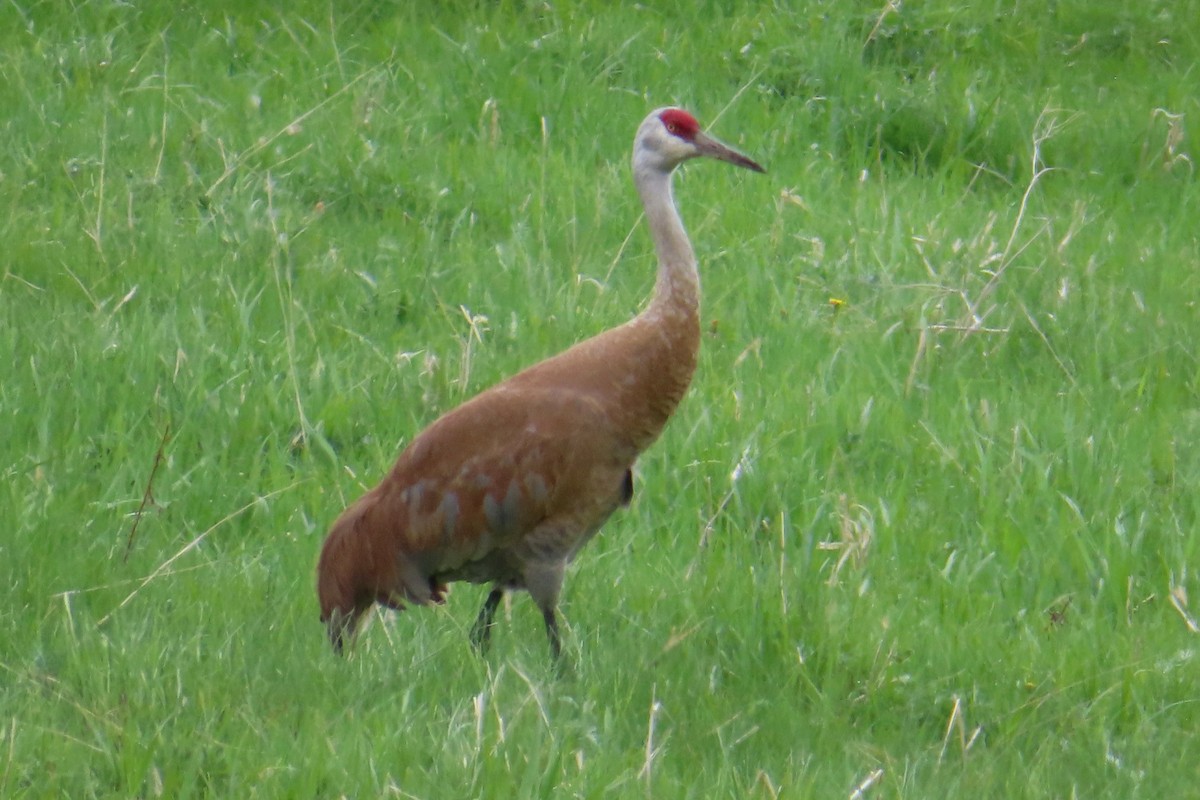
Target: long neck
<point>666,336</point>
<point>638,372</point>
<point>677,289</point>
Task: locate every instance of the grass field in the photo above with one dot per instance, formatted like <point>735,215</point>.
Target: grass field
<point>925,525</point>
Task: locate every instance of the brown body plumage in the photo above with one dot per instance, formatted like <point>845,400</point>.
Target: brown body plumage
<point>506,488</point>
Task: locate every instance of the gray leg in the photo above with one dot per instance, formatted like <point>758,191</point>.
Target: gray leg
<point>552,632</point>
<point>544,582</point>
<point>481,631</point>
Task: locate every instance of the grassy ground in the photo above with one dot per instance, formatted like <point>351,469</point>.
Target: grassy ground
<point>924,527</point>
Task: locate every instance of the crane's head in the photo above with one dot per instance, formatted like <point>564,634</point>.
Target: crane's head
<point>670,136</point>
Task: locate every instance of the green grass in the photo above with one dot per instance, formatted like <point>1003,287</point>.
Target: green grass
<point>936,541</point>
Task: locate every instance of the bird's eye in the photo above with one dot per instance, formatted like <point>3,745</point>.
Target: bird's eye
<point>672,127</point>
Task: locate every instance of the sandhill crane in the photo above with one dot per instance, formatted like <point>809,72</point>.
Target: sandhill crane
<point>506,488</point>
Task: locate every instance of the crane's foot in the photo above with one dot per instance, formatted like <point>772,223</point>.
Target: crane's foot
<point>481,631</point>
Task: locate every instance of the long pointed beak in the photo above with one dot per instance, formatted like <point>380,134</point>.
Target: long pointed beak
<point>710,147</point>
